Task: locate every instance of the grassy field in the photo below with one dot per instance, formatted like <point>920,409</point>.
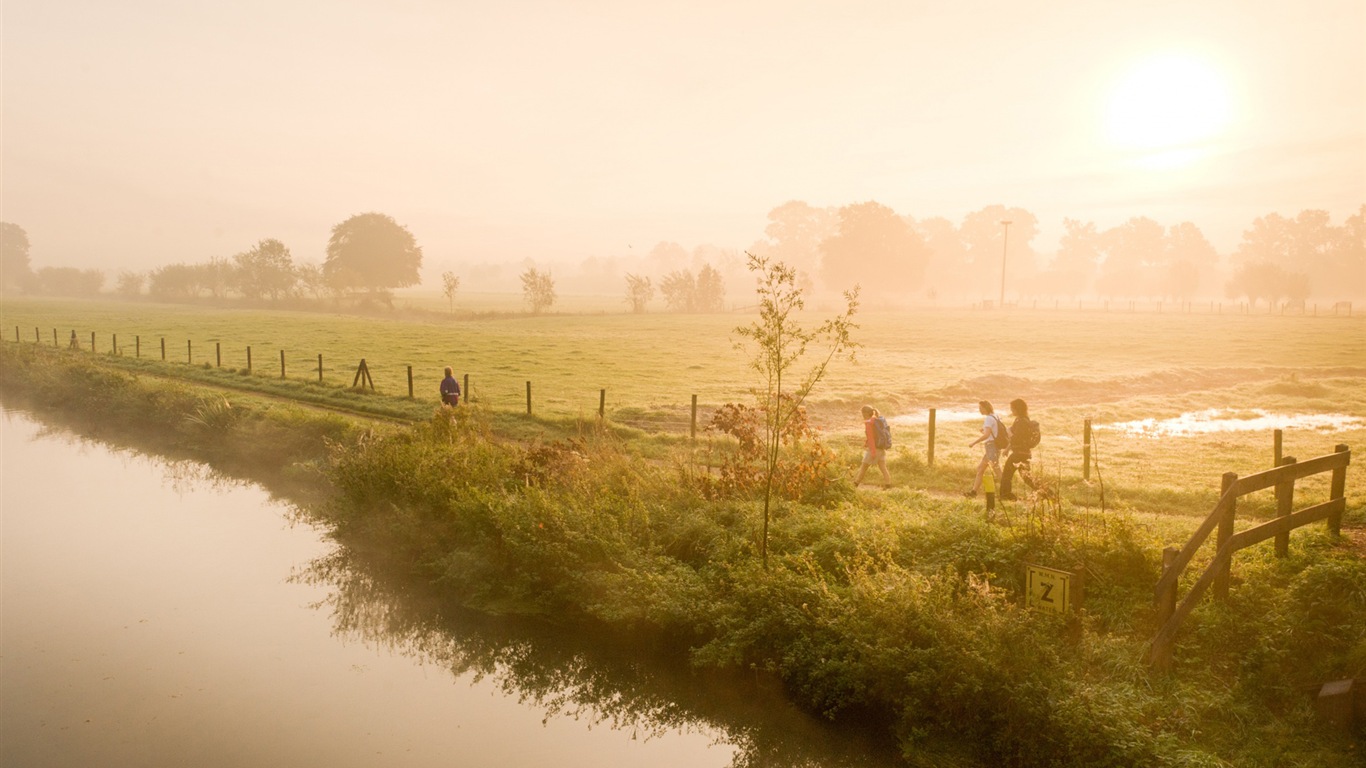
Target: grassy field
<point>1110,367</point>
<point>902,604</point>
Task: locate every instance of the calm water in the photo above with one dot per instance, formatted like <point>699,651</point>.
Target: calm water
<point>154,615</point>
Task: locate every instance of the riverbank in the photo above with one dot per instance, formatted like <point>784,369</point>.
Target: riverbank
<point>899,608</point>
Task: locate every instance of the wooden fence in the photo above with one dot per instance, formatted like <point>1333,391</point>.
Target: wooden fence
<point>1282,478</point>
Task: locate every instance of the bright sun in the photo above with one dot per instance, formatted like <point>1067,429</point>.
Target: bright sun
<point>1167,105</point>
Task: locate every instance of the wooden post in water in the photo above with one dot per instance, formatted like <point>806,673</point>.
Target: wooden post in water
<point>602,404</point>
<point>929,449</point>
<point>692,432</point>
<point>410,375</point>
<point>1285,499</point>
<point>1225,533</point>
<point>1276,448</point>
<point>1337,489</point>
<point>1086,450</point>
<point>528,398</point>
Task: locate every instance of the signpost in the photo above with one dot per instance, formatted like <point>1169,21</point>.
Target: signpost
<point>1048,589</point>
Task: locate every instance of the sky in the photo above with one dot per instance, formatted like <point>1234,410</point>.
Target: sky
<point>148,132</point>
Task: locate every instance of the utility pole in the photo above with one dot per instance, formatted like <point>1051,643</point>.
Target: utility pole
<point>1005,238</point>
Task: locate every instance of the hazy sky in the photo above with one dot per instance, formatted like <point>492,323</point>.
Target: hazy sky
<point>146,132</point>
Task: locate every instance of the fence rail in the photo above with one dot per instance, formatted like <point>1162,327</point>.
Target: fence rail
<point>1283,478</point>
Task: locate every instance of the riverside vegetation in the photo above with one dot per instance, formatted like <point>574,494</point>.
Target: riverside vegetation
<point>900,608</point>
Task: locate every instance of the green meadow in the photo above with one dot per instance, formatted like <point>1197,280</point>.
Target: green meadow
<point>899,608</point>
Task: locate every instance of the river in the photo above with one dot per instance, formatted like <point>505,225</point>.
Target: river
<point>156,614</point>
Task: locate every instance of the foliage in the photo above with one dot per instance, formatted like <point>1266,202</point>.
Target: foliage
<point>266,269</point>
<point>450,284</point>
<point>874,247</point>
<point>14,262</point>
<point>538,289</point>
<point>371,251</point>
<point>806,470</point>
<point>639,292</point>
<point>69,281</point>
<point>779,342</point>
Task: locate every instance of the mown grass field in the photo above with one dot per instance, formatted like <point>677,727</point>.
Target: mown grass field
<point>1070,365</point>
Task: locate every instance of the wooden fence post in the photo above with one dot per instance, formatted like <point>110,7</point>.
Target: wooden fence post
<point>248,359</point>
<point>528,398</point>
<point>410,375</point>
<point>37,335</point>
<point>466,390</point>
<point>1337,489</point>
<point>692,432</point>
<point>137,345</point>
<point>1285,499</point>
<point>282,363</point>
<point>114,342</point>
<point>929,449</point>
<point>1276,438</point>
<point>1086,450</point>
<point>163,348</point>
<point>1166,602</point>
<point>189,351</point>
<point>320,368</point>
<point>602,404</point>
<point>1225,533</point>
<point>92,342</point>
<point>54,337</point>
<point>218,354</point>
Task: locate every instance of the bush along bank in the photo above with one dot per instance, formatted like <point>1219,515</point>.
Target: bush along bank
<point>896,608</point>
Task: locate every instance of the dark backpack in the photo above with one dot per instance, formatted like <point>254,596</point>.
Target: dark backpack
<point>882,433</point>
<point>1002,434</point>
<point>1034,435</point>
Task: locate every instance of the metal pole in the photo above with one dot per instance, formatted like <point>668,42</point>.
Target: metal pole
<point>1005,239</point>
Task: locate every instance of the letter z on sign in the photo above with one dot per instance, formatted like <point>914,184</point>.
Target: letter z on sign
<point>1048,589</point>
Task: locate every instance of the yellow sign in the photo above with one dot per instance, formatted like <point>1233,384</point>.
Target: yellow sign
<point>1048,589</point>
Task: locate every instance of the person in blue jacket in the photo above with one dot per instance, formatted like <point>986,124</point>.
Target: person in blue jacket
<point>450,389</point>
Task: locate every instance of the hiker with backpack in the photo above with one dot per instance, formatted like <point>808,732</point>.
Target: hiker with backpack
<point>877,438</point>
<point>996,436</point>
<point>1024,435</point>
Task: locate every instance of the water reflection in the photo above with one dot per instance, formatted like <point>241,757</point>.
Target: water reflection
<point>614,683</point>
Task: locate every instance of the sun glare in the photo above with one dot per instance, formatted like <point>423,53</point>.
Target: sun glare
<point>1165,105</point>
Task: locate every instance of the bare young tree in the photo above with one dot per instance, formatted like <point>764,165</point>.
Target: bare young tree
<point>777,342</point>
<point>449,285</point>
<point>639,292</point>
<point>539,289</point>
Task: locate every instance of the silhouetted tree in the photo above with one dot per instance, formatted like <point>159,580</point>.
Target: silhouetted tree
<point>1330,256</point>
<point>173,281</point>
<point>1135,252</point>
<point>539,290</point>
<point>450,283</point>
<point>266,269</point>
<point>1190,260</point>
<point>944,270</point>
<point>710,290</point>
<point>372,251</point>
<point>873,246</point>
<point>311,279</point>
<point>1264,280</point>
<point>15,271</point>
<point>639,292</point>
<point>679,289</point>
<point>70,281</point>
<point>129,284</point>
<point>1074,266</point>
<point>795,232</point>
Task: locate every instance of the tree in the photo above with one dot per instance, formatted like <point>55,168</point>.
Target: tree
<point>985,240</point>
<point>539,289</point>
<point>874,246</point>
<point>777,342</point>
<point>1135,251</point>
<point>639,292</point>
<point>1190,261</point>
<point>1074,266</point>
<point>710,291</point>
<point>680,290</point>
<point>266,269</point>
<point>1308,244</point>
<point>311,279</point>
<point>372,251</point>
<point>69,281</point>
<point>795,232</point>
<point>173,281</point>
<point>1264,280</point>
<point>15,271</point>
<point>130,284</point>
<point>450,283</point>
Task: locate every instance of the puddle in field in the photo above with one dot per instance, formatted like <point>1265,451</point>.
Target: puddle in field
<point>1226,420</point>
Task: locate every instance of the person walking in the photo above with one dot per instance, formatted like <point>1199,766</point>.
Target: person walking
<point>1022,442</point>
<point>994,434</point>
<point>450,389</point>
<point>872,454</point>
